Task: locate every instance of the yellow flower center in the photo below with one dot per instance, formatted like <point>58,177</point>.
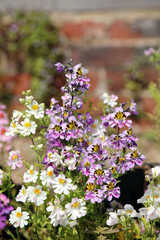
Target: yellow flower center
<point>90,186</point>
<point>94,125</point>
<point>148,196</point>
<point>61,181</point>
<point>96,148</point>
<point>49,155</point>
<point>23,191</point>
<point>75,205</point>
<point>98,172</point>
<point>37,191</point>
<point>65,114</point>
<point>129,131</point>
<point>134,154</point>
<point>87,164</point>
<point>110,186</point>
<point>79,71</point>
<point>50,173</point>
<point>18,214</point>
<point>129,211</point>
<point>119,115</point>
<point>72,125</point>
<point>57,128</point>
<point>31,171</point>
<point>27,124</point>
<point>14,125</point>
<point>113,170</point>
<point>14,157</point>
<point>121,159</point>
<point>35,107</point>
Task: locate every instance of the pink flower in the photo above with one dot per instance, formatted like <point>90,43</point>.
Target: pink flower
<point>14,159</point>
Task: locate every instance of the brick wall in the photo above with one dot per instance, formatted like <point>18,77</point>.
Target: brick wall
<point>105,42</point>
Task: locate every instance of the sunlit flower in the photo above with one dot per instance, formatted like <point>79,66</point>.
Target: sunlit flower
<point>156,171</point>
<point>76,208</point>
<point>27,127</point>
<point>35,109</point>
<point>14,159</point>
<point>128,210</point>
<point>111,100</point>
<point>13,128</point>
<point>22,195</point>
<point>61,184</point>
<point>58,215</point>
<point>19,218</point>
<point>36,195</point>
<point>47,176</point>
<point>113,219</point>
<point>31,175</point>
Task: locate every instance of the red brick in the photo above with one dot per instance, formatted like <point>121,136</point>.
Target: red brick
<point>82,29</point>
<point>123,30</point>
<point>115,80</point>
<point>148,104</point>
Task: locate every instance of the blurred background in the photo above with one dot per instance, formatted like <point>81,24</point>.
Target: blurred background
<point>107,37</point>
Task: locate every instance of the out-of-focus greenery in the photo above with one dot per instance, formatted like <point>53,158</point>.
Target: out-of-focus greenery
<point>29,43</point>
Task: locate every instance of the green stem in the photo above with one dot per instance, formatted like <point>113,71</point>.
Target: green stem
<point>18,236</point>
<point>36,229</point>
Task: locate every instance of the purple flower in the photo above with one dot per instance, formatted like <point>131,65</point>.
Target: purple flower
<point>135,158</point>
<point>5,210</point>
<point>133,107</point>
<point>148,51</point>
<point>60,67</point>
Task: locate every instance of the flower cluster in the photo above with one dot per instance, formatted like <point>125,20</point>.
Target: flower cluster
<point>78,158</point>
<point>5,210</point>
<point>148,215</point>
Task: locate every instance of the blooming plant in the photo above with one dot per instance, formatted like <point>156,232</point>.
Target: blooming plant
<point>145,224</point>
<point>79,160</point>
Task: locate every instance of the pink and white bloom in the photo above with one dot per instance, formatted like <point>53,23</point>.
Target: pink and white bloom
<point>31,175</point>
<point>58,215</point>
<point>150,213</point>
<point>22,195</point>
<point>61,184</point>
<point>47,176</point>
<point>19,218</point>
<point>14,159</point>
<point>13,128</point>
<point>27,127</point>
<point>76,208</point>
<point>111,100</point>
<point>35,109</point>
<point>36,195</point>
<point>113,219</point>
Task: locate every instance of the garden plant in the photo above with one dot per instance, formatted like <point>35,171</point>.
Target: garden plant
<point>66,191</point>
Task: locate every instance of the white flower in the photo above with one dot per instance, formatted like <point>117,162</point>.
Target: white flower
<point>55,158</point>
<point>148,196</point>
<point>22,195</point>
<point>47,176</point>
<point>76,208</point>
<point>27,127</point>
<point>30,175</point>
<point>71,163</point>
<point>128,210</point>
<point>150,213</point>
<point>13,128</point>
<point>57,216</point>
<point>109,99</point>
<point>61,184</point>
<point>155,171</point>
<point>1,176</point>
<point>35,109</point>
<point>19,218</point>
<point>113,219</point>
<point>36,195</point>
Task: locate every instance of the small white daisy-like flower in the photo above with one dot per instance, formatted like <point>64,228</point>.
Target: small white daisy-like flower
<point>17,115</point>
<point>128,210</point>
<point>27,127</point>
<point>31,175</point>
<point>14,159</point>
<point>22,195</point>
<point>36,195</point>
<point>47,176</point>
<point>19,218</point>
<point>13,128</point>
<point>58,215</point>
<point>61,184</point>
<point>35,109</point>
<point>76,208</point>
